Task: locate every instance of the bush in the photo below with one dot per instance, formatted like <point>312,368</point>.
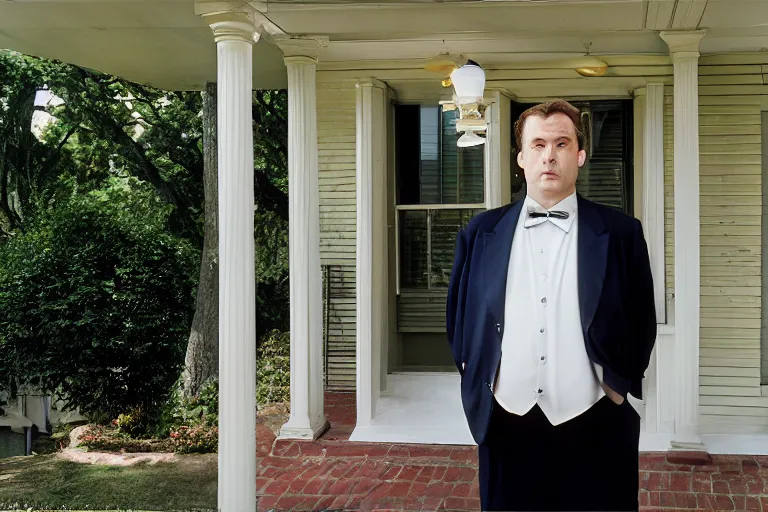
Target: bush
<point>135,423</point>
<point>97,301</point>
<point>197,410</point>
<point>195,439</point>
<point>273,365</point>
<point>109,439</point>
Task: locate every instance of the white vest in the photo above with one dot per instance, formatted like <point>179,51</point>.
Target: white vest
<point>543,357</point>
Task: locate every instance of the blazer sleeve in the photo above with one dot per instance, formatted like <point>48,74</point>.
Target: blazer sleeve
<point>644,304</point>
<point>456,300</point>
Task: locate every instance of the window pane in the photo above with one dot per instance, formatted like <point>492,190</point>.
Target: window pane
<point>427,246</point>
<point>413,249</point>
<point>463,168</point>
<point>431,169</point>
<point>445,225</point>
<point>605,177</point>
<point>430,153</point>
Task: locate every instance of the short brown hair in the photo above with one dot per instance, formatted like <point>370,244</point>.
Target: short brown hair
<point>547,109</point>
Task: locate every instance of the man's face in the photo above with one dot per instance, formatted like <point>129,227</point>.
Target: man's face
<point>550,157</point>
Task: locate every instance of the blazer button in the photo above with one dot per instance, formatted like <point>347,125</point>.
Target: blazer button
<point>498,327</point>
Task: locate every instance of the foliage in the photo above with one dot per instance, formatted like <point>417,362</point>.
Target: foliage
<point>203,408</point>
<point>118,160</point>
<point>2,403</point>
<point>135,423</point>
<point>29,166</point>
<point>195,439</point>
<point>97,300</point>
<point>106,126</point>
<point>273,367</point>
<point>186,426</point>
<point>60,435</point>
<point>110,439</point>
<point>272,288</point>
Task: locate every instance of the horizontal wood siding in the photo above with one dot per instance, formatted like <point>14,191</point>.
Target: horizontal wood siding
<point>731,243</point>
<point>336,117</point>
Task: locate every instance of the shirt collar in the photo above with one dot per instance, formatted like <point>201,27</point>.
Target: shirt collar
<point>568,204</point>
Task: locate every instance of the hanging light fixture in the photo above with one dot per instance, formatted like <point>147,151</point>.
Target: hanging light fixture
<point>589,65</point>
<point>469,84</point>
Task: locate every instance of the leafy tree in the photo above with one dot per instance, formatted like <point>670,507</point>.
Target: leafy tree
<point>106,127</point>
<point>97,299</point>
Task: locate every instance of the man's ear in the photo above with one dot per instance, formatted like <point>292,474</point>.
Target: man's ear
<point>582,157</point>
<point>520,159</point>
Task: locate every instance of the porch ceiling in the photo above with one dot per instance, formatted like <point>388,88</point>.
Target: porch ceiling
<point>165,44</point>
<point>158,42</point>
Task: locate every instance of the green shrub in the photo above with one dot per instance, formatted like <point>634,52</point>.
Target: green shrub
<point>273,365</point>
<point>197,410</point>
<point>109,439</point>
<point>135,423</point>
<point>195,439</point>
<point>96,302</point>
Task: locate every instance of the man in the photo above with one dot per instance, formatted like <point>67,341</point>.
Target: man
<point>551,320</point>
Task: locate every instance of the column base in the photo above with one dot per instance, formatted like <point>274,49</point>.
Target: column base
<point>310,433</point>
<point>688,446</point>
<point>690,454</point>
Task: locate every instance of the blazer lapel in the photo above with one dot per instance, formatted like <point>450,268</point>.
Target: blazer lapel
<point>592,260</point>
<point>497,249</point>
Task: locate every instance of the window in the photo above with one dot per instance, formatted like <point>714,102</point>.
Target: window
<point>440,187</point>
<point>431,169</point>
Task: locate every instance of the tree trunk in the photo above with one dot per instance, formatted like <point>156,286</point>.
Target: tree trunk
<point>202,361</point>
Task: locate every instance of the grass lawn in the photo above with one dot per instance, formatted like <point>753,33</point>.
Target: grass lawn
<point>45,482</point>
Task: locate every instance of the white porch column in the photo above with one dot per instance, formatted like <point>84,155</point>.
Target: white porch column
<point>234,34</point>
<point>684,48</point>
<point>307,419</point>
<point>372,252</point>
<point>653,191</point>
<point>498,180</point>
<point>661,377</point>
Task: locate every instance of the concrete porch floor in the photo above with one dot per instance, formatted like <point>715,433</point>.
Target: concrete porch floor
<point>421,408</point>
<point>334,473</point>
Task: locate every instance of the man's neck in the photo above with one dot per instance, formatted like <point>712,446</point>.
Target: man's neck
<point>548,201</point>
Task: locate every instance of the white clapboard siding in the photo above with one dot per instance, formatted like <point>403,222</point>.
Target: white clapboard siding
<point>336,116</point>
<point>730,152</point>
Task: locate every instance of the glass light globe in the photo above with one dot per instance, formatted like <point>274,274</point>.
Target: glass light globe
<point>468,82</point>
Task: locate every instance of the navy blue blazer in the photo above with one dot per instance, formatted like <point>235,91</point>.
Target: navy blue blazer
<point>618,314</point>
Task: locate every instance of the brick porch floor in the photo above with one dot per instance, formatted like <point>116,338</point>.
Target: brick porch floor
<point>334,474</point>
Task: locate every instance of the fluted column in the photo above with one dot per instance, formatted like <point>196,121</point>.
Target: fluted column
<point>661,375</point>
<point>307,420</point>
<point>234,34</point>
<point>684,48</point>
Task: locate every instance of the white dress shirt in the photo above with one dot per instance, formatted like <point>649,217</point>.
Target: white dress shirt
<point>543,357</point>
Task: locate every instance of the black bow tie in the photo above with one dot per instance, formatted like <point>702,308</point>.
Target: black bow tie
<point>555,214</point>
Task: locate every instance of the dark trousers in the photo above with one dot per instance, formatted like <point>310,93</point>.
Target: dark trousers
<point>587,463</point>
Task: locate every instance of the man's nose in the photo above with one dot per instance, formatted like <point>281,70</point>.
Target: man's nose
<point>549,154</point>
